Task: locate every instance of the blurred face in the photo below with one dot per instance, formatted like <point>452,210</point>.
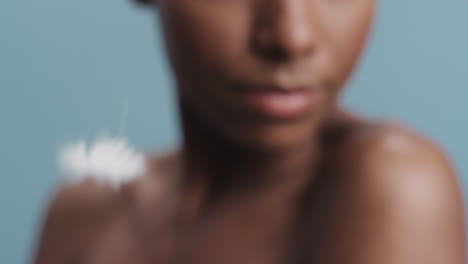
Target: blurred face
<point>263,73</point>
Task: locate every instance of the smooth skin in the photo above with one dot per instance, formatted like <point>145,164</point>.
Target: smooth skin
<point>250,185</point>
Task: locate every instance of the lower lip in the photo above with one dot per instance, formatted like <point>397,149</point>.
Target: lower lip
<point>279,104</point>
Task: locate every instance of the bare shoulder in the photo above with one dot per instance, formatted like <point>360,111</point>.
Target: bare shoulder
<point>392,152</point>
<point>75,219</point>
<point>81,214</point>
<point>394,164</point>
<point>402,198</point>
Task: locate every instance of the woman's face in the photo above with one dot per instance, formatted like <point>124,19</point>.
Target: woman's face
<point>263,73</point>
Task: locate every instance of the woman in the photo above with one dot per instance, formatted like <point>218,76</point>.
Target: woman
<point>272,170</point>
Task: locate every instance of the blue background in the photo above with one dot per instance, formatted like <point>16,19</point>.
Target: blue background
<point>68,67</point>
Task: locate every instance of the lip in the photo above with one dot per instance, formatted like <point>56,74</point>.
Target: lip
<point>278,102</point>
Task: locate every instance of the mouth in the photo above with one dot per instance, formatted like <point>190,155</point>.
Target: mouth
<point>278,102</point>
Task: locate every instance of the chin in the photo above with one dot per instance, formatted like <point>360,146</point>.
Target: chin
<point>249,131</point>
<point>275,138</point>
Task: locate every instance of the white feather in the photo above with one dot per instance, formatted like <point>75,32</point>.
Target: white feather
<point>108,160</point>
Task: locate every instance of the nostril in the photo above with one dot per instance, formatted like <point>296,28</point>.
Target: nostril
<point>275,53</point>
<point>280,50</point>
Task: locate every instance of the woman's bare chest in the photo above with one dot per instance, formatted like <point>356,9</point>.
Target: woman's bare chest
<point>255,231</point>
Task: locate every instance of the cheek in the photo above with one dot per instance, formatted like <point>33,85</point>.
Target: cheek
<point>346,34</point>
<point>205,33</point>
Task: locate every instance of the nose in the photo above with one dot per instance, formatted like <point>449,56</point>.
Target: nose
<point>285,30</point>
